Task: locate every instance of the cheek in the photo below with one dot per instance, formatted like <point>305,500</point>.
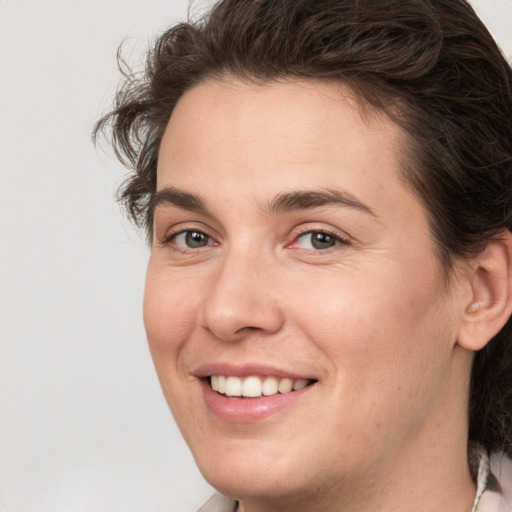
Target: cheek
<point>389,359</point>
<point>380,332</point>
<point>170,311</point>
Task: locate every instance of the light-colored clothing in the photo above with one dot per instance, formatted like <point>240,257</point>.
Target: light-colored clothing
<point>494,488</point>
<point>494,485</point>
<point>219,503</point>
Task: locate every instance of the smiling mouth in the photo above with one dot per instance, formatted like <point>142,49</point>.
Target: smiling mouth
<point>254,386</point>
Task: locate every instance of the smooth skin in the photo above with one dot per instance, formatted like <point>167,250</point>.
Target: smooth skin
<point>349,292</point>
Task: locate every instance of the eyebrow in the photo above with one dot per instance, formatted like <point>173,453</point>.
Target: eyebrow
<point>180,198</point>
<point>294,200</point>
<point>306,199</point>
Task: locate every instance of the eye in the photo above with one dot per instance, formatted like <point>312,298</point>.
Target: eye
<point>318,240</point>
<point>191,239</point>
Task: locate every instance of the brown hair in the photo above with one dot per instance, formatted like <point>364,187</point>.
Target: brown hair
<point>431,65</point>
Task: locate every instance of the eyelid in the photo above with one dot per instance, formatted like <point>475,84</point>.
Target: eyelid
<point>171,233</point>
<point>341,238</point>
<point>178,235</point>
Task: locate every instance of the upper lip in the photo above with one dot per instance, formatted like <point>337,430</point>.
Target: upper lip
<point>246,370</point>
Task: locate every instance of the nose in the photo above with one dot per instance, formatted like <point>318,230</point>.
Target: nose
<point>242,300</point>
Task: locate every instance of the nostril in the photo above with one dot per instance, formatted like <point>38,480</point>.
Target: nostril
<point>247,330</point>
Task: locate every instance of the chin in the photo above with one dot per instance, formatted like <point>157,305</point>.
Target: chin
<point>248,470</point>
<point>251,482</point>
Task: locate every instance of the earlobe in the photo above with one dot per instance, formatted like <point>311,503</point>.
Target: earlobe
<point>491,294</point>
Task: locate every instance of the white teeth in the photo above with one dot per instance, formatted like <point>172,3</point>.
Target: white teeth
<point>233,386</point>
<point>221,384</point>
<point>253,386</point>
<point>270,386</point>
<point>285,385</point>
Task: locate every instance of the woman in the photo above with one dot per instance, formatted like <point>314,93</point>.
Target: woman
<point>326,187</point>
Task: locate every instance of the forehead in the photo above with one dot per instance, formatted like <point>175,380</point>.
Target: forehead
<point>280,135</point>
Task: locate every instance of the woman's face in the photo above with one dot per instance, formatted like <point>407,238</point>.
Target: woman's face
<point>288,251</point>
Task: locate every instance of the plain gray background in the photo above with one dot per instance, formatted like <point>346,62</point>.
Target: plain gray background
<point>83,424</point>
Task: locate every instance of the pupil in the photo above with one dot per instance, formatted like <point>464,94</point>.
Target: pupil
<point>322,241</point>
<point>196,239</point>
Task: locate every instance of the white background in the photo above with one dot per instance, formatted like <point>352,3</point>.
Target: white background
<point>83,424</point>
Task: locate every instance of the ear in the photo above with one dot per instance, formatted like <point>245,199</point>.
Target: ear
<point>490,305</point>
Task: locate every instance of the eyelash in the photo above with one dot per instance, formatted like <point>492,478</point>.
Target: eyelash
<point>169,239</point>
<point>339,240</point>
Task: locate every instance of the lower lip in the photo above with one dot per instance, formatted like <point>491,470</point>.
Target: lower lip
<point>248,410</point>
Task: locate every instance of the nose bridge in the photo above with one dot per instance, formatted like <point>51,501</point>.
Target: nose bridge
<point>241,299</point>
